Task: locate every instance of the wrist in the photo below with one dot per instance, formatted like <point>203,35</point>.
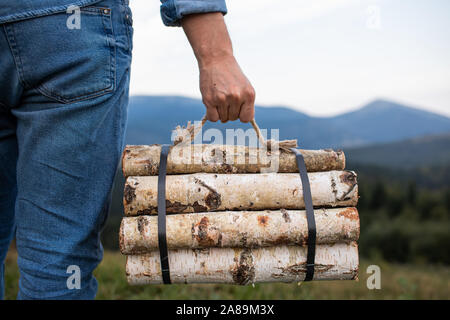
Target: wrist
<point>206,60</point>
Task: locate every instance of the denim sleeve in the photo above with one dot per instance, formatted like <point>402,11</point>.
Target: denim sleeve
<point>173,10</point>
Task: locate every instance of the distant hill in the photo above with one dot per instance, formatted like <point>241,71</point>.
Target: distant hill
<point>418,152</point>
<point>151,118</point>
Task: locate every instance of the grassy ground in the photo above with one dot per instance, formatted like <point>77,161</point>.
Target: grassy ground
<point>397,282</point>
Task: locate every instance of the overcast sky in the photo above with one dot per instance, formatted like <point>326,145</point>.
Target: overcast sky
<point>322,57</point>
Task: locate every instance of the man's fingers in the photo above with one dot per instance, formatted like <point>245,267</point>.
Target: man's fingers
<point>247,112</point>
<point>220,102</point>
<point>233,112</point>
<point>234,109</point>
<point>223,113</point>
<point>212,114</point>
<point>248,108</point>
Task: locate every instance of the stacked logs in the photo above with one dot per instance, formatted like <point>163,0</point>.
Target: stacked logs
<point>231,220</point>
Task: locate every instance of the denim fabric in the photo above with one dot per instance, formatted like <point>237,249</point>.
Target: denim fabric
<point>172,11</point>
<point>63,106</point>
<point>14,10</point>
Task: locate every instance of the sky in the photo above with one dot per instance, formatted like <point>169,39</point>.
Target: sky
<point>321,57</point>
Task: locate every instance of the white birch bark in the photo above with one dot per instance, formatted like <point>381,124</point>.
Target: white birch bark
<point>143,160</point>
<point>246,229</point>
<point>236,192</point>
<point>244,266</point>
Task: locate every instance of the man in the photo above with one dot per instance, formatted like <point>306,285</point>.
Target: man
<point>63,104</point>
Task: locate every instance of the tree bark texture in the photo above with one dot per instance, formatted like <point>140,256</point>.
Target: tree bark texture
<point>245,266</point>
<point>237,192</point>
<point>143,160</point>
<point>245,229</point>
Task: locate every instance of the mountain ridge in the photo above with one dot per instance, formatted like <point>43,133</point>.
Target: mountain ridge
<point>424,151</point>
<point>151,119</point>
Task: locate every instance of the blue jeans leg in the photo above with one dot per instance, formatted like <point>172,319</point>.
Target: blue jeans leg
<point>68,133</point>
<point>64,182</point>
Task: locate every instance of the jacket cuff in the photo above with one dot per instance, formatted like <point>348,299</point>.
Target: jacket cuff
<point>172,11</point>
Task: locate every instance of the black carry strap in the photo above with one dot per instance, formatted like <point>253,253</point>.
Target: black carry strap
<point>162,240</point>
<point>310,259</point>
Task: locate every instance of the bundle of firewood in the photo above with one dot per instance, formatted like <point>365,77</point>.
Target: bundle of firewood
<point>231,220</point>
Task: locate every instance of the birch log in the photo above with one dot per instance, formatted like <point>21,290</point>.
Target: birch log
<point>209,158</point>
<point>203,192</point>
<point>248,229</point>
<point>245,266</point>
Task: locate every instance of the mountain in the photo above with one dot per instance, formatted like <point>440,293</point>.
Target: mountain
<point>418,152</point>
<point>384,121</point>
<point>151,118</point>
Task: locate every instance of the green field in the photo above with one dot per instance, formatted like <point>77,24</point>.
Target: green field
<point>397,282</point>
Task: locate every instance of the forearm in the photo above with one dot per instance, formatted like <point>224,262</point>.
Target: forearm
<point>208,36</point>
<point>226,92</point>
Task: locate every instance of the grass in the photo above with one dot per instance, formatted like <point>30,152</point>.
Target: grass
<point>397,282</point>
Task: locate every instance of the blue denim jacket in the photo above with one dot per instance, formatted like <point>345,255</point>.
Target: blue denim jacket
<point>171,10</point>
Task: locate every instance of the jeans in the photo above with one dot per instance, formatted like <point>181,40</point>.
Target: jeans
<point>63,107</point>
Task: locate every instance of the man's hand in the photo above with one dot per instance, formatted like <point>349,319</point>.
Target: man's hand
<point>226,92</point>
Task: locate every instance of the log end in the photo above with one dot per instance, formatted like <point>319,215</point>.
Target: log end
<point>125,152</point>
<point>129,194</point>
<point>342,161</point>
<point>140,160</point>
<point>122,237</point>
<point>350,195</point>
